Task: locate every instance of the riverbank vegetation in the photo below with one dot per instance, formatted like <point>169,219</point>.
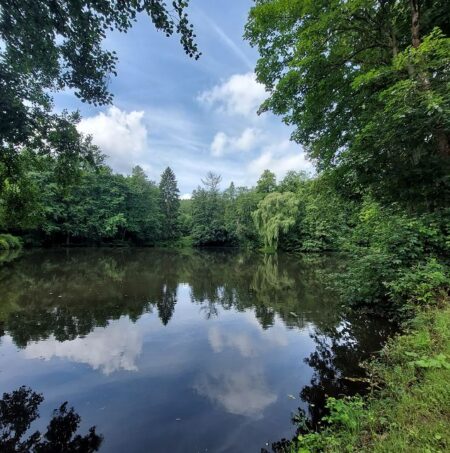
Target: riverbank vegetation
<point>410,411</point>
<point>365,84</point>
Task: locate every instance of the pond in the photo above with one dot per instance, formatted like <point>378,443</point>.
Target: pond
<point>179,351</point>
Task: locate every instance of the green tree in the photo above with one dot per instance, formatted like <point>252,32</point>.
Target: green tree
<point>208,213</point>
<point>170,204</point>
<point>143,212</point>
<point>275,215</point>
<point>238,216</point>
<point>267,183</point>
<point>365,83</point>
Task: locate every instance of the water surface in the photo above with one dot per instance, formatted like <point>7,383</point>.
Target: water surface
<point>170,351</point>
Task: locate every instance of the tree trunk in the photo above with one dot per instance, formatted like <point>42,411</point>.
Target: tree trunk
<point>442,139</point>
<point>439,134</point>
<point>415,23</point>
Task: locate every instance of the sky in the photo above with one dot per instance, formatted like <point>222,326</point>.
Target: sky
<point>194,116</point>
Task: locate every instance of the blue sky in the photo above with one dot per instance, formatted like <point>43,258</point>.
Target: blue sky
<point>195,116</point>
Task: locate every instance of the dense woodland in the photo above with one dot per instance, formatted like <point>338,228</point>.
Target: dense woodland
<point>365,84</point>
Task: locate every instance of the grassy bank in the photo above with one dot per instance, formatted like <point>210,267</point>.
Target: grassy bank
<point>409,407</point>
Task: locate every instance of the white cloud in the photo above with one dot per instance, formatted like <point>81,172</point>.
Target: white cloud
<point>280,158</point>
<point>219,143</point>
<point>241,94</point>
<point>186,196</point>
<point>223,143</point>
<point>123,136</point>
<point>227,41</point>
<point>115,347</point>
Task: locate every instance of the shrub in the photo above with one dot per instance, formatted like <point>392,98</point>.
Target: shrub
<point>8,241</point>
<point>395,257</point>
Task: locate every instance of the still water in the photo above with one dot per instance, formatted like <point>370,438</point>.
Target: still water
<point>168,351</point>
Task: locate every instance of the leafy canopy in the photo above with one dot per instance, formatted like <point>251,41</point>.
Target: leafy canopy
<point>365,84</point>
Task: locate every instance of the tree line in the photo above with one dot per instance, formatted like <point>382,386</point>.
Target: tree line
<point>363,83</point>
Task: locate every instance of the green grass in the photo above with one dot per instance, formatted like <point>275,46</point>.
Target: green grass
<point>9,242</point>
<point>410,410</point>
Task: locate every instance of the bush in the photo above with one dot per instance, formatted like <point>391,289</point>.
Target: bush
<point>8,242</point>
<point>395,257</point>
<point>424,284</point>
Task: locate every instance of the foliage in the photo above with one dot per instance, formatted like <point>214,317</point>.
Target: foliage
<point>170,203</point>
<point>410,412</point>
<point>393,257</point>
<point>275,215</point>
<point>208,213</point>
<point>366,88</point>
<point>267,183</point>
<point>8,242</point>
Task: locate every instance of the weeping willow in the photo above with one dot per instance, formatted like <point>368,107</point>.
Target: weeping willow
<point>276,214</point>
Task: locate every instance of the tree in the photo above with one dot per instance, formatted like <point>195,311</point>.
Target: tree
<point>275,215</point>
<point>170,204</point>
<point>20,408</point>
<point>267,183</point>
<point>365,83</point>
<point>143,213</point>
<point>58,45</point>
<point>238,215</point>
<point>208,213</point>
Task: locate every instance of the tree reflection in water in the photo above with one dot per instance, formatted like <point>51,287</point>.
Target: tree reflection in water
<point>64,297</point>
<point>20,408</point>
<point>337,363</point>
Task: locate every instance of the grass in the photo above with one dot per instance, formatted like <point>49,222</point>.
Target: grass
<point>409,408</point>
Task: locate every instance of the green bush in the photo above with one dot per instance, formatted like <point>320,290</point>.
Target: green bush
<point>395,257</point>
<point>423,284</point>
<point>8,241</point>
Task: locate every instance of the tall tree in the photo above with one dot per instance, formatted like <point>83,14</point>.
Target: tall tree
<point>170,204</point>
<point>142,206</point>
<point>365,83</point>
<point>267,183</point>
<point>208,213</point>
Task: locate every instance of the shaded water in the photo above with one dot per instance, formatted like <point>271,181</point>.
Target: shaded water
<point>172,351</point>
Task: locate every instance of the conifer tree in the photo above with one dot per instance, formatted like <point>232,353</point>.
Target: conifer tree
<point>170,204</point>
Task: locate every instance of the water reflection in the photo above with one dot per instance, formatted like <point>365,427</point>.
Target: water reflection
<point>72,292</point>
<point>109,349</point>
<point>179,340</point>
<point>240,391</point>
<point>20,408</point>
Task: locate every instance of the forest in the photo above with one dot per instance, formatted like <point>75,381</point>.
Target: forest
<point>366,86</point>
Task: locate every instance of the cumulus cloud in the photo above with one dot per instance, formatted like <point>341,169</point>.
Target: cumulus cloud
<point>241,94</point>
<point>224,143</point>
<point>280,158</point>
<point>122,135</point>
